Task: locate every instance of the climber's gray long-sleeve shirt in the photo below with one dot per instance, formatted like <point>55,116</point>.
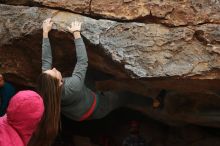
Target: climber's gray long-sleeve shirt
<point>76,97</point>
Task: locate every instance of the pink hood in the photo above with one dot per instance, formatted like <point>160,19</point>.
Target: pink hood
<point>22,118</point>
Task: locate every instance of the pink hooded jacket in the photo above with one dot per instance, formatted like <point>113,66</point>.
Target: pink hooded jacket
<point>21,119</point>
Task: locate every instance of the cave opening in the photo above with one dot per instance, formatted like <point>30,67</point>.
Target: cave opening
<point>114,128</point>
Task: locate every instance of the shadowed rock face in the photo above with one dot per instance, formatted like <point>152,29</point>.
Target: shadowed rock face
<point>139,57</point>
<point>153,132</point>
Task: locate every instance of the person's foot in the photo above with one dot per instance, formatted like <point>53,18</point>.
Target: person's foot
<point>158,102</point>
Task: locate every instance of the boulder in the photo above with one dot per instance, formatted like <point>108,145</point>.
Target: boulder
<point>138,57</point>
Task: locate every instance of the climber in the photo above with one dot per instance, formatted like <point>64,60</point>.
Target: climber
<point>77,101</point>
<point>21,119</point>
<point>7,90</point>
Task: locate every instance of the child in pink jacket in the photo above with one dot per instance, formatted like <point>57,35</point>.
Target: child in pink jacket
<point>21,119</point>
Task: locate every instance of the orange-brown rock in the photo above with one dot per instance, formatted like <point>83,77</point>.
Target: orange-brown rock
<point>174,13</point>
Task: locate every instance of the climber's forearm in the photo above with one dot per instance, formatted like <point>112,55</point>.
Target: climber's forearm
<point>45,34</point>
<point>46,54</point>
<point>76,34</point>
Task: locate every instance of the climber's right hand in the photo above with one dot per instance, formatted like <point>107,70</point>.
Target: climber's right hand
<point>47,26</point>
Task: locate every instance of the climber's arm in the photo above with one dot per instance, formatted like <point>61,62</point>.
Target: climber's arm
<point>46,48</point>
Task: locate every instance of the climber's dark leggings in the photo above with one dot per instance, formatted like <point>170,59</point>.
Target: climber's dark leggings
<point>109,101</point>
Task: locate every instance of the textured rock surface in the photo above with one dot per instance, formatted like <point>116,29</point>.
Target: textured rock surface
<point>170,12</point>
<point>79,6</point>
<point>144,50</point>
<point>184,60</point>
